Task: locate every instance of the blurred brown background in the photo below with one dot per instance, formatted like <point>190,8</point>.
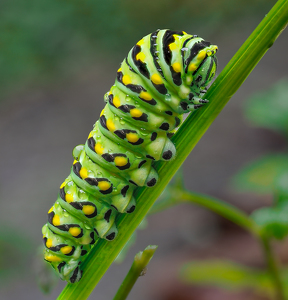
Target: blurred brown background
<point>57,59</point>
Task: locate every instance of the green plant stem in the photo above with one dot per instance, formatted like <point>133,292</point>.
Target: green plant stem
<point>223,209</point>
<point>139,265</point>
<point>226,210</point>
<point>103,253</point>
<point>272,267</point>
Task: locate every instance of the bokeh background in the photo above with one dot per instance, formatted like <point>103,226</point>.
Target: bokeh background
<point>57,59</point>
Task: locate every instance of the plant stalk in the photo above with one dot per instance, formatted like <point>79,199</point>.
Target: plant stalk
<point>223,209</point>
<point>138,267</point>
<point>273,268</point>
<point>103,253</point>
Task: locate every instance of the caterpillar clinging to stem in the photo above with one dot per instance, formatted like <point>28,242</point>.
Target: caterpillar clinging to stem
<point>164,76</point>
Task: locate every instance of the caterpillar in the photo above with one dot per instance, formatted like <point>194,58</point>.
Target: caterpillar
<point>165,75</point>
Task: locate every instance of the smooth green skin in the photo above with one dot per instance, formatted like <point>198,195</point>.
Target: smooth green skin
<point>138,267</point>
<point>227,83</point>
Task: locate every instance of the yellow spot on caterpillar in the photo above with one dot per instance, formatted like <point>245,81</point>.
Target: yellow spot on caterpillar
<point>135,112</point>
<point>90,135</point>
<point>126,79</point>
<point>74,231</point>
<point>52,258</point>
<point>192,67</point>
<point>132,137</point>
<point>69,198</point>
<point>50,210</point>
<point>56,220</point>
<point>141,42</point>
<point>172,46</point>
<point>140,56</point>
<point>184,32</point>
<point>110,93</point>
<point>116,101</point>
<point>99,149</point>
<point>49,243</point>
<point>146,96</point>
<point>102,112</point>
<point>83,173</point>
<point>119,70</point>
<point>201,54</point>
<point>104,185</point>
<point>110,125</point>
<point>66,249</point>
<point>62,185</point>
<point>75,161</point>
<point>156,79</point>
<point>120,161</point>
<point>177,67</point>
<point>88,209</point>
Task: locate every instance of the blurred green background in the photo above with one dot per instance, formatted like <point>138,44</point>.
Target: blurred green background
<point>57,59</point>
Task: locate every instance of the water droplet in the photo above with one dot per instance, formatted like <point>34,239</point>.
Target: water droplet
<point>143,132</point>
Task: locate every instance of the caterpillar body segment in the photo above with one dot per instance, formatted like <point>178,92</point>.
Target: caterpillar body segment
<point>165,75</point>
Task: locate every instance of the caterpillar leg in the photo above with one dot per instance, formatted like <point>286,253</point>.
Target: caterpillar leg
<point>152,178</point>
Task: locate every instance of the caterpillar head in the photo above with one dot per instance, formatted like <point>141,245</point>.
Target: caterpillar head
<point>200,63</point>
<point>206,71</point>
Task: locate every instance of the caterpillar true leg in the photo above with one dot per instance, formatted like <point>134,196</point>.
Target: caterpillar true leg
<point>164,76</point>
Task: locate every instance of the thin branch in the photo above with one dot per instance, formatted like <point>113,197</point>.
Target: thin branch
<point>273,268</point>
<point>137,269</point>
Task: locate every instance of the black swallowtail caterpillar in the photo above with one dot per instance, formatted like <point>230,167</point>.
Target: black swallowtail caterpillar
<point>164,76</point>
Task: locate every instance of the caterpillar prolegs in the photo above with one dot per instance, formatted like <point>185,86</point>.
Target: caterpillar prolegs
<point>164,76</point>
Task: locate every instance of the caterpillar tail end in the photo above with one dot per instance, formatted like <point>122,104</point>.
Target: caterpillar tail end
<point>67,270</point>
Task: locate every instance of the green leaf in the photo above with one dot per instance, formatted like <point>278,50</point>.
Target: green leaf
<point>226,274</point>
<point>259,176</point>
<point>269,108</point>
<point>273,220</point>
